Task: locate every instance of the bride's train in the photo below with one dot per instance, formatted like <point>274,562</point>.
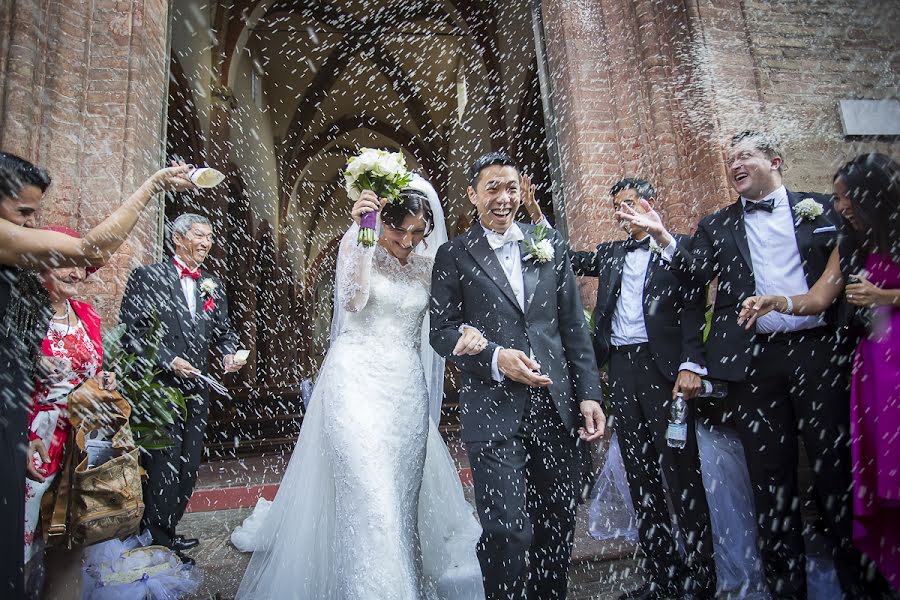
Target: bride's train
<point>293,541</point>
<point>728,492</point>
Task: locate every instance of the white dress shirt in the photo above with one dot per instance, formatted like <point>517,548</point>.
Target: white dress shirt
<point>777,266</point>
<point>506,249</point>
<point>188,288</point>
<point>628,325</point>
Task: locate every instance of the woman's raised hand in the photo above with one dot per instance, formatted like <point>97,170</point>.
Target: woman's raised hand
<point>172,179</point>
<point>366,203</point>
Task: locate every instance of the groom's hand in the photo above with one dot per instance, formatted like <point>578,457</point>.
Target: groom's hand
<point>594,421</point>
<point>518,366</point>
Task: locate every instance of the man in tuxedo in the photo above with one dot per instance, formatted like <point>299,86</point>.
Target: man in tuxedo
<point>787,375</point>
<point>192,308</point>
<point>649,325</point>
<point>524,396</point>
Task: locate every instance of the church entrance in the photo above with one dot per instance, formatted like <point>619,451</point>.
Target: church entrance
<point>278,94</point>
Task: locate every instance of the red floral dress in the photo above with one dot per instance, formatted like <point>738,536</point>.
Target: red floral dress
<point>81,351</point>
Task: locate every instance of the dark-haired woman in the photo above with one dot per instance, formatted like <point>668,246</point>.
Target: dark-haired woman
<point>370,505</point>
<point>866,268</point>
<point>25,312</point>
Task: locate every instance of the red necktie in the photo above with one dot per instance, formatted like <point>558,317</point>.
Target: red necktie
<point>195,275</point>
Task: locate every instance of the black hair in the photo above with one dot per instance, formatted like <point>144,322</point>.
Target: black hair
<point>643,187</point>
<point>873,185</point>
<point>489,160</point>
<point>10,185</point>
<point>412,202</point>
<point>25,172</point>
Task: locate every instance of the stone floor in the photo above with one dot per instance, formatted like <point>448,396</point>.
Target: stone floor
<point>600,570</point>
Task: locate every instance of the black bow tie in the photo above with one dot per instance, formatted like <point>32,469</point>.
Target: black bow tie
<point>631,244</point>
<point>767,205</point>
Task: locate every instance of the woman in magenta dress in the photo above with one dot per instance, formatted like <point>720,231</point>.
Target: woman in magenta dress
<point>866,268</point>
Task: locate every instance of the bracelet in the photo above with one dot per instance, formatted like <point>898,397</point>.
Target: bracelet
<point>789,309</point>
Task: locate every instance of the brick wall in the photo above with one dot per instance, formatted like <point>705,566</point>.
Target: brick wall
<point>794,60</point>
<point>84,93</point>
<point>654,89</point>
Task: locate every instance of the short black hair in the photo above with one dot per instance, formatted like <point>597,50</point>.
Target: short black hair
<point>25,172</point>
<point>489,160</point>
<point>412,202</point>
<point>643,187</point>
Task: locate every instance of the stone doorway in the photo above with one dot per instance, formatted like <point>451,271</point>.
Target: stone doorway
<point>278,94</point>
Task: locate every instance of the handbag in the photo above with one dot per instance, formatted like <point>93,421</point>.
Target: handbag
<point>96,503</point>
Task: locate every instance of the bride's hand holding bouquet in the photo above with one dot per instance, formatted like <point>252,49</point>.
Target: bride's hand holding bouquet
<point>380,172</point>
<point>368,203</point>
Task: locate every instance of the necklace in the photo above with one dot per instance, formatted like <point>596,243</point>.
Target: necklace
<point>65,316</point>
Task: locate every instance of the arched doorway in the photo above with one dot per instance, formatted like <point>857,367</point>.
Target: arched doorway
<point>288,91</point>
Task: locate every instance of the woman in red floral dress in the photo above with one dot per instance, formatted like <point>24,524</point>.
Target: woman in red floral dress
<point>72,353</point>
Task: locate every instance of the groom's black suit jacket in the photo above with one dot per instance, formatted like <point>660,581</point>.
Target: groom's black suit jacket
<point>720,249</point>
<point>469,286</point>
<point>673,306</point>
<point>157,288</point>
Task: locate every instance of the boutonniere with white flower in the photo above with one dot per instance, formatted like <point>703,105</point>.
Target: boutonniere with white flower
<point>808,209</point>
<point>539,248</point>
<point>207,287</point>
<point>654,247</point>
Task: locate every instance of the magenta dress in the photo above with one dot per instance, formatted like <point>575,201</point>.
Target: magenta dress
<point>875,431</point>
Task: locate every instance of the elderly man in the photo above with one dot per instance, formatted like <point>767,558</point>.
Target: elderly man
<point>192,308</point>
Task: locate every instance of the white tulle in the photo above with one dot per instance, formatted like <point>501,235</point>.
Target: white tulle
<point>370,505</point>
<point>111,572</point>
<point>432,362</point>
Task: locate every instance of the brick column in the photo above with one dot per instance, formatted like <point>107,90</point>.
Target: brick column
<point>83,94</point>
<point>630,100</point>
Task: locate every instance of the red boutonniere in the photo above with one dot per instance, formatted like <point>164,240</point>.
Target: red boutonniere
<point>209,304</point>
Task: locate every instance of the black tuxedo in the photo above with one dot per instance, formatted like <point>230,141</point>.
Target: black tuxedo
<point>172,472</point>
<point>783,384</point>
<point>520,440</point>
<point>641,377</point>
<point>673,313</point>
<point>720,249</point>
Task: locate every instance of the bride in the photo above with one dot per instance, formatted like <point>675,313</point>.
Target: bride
<point>371,505</point>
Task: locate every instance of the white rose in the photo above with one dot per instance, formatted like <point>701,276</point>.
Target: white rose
<point>808,208</point>
<point>208,286</point>
<point>390,163</point>
<point>543,251</point>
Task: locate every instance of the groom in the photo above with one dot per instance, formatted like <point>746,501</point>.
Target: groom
<point>525,395</point>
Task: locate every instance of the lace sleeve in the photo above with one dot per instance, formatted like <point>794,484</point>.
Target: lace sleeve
<point>354,264</point>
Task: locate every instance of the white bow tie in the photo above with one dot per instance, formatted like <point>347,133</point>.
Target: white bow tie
<point>498,240</point>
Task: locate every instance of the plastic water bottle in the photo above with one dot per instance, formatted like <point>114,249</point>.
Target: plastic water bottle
<point>712,389</point>
<point>676,432</point>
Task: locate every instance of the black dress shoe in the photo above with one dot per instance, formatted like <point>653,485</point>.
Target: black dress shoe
<point>184,558</point>
<point>648,591</point>
<point>181,543</point>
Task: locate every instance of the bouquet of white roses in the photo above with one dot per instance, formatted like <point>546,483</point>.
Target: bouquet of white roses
<point>382,172</point>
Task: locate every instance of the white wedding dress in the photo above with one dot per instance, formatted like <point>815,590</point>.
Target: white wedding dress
<point>370,506</point>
